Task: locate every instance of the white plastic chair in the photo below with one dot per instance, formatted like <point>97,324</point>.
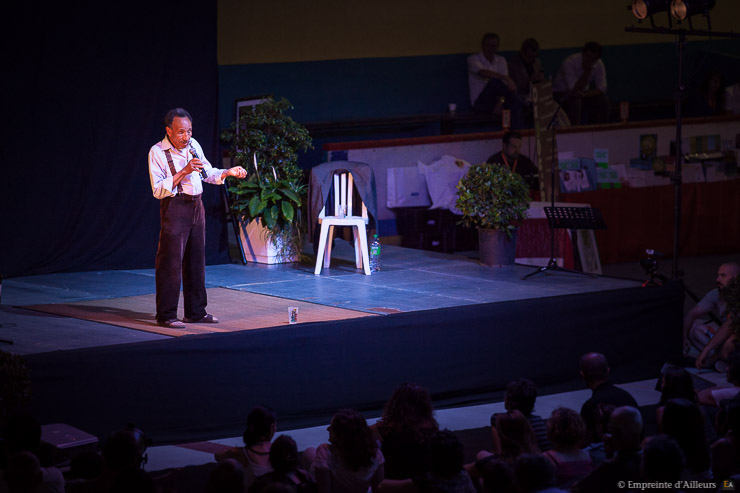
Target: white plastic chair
<point>343,187</point>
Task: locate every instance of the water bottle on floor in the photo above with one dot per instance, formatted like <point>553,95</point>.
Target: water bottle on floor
<point>375,254</point>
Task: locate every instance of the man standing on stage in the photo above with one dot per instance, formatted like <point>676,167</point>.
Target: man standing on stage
<point>177,169</point>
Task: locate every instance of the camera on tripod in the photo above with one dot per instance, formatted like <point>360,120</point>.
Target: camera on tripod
<point>650,263</point>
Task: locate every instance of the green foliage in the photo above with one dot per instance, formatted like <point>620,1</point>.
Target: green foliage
<point>492,196</point>
<point>15,384</point>
<point>273,193</point>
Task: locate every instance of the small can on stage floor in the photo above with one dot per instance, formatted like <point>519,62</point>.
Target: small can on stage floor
<point>293,314</point>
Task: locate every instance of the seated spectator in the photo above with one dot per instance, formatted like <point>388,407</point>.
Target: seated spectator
<point>662,462</point>
<point>226,477</point>
<point>261,426</point>
<point>284,461</point>
<point>595,372</point>
<point>446,474</point>
<point>525,68</point>
<point>732,99</point>
<point>567,433</point>
<point>675,383</point>
<point>714,395</point>
<point>405,431</point>
<point>624,436</point>
<point>509,156</point>
<point>683,421</point>
<point>496,476</point>
<point>489,81</point>
<point>598,450</point>
<point>709,99</point>
<point>520,395</point>
<point>726,450</point>
<point>534,474</point>
<point>580,86</point>
<point>351,461</point>
<point>22,474</point>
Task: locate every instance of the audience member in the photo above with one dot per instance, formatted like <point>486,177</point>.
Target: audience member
<point>496,476</point>
<point>709,99</point>
<point>489,81</point>
<point>446,473</point>
<point>284,461</point>
<point>226,477</point>
<point>23,474</point>
<point>521,395</point>
<point>512,436</point>
<point>405,431</point>
<point>675,382</point>
<point>23,434</point>
<point>732,99</point>
<point>598,450</point>
<point>662,462</point>
<point>595,372</point>
<point>567,433</point>
<point>697,330</point>
<point>534,474</point>
<point>580,86</point>
<point>684,422</point>
<point>714,395</point>
<point>525,68</point>
<point>725,451</point>
<point>254,456</point>
<point>351,461</point>
<point>624,435</point>
<point>509,156</point>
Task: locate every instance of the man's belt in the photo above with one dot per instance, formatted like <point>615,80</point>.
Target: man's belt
<point>184,196</point>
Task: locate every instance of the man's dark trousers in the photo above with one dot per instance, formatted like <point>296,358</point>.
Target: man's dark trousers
<point>181,257</point>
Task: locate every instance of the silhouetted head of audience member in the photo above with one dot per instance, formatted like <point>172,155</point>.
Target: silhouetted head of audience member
<point>497,476</point>
<point>22,433</point>
<point>726,273</point>
<point>591,53</point>
<point>684,422</point>
<point>676,383</point>
<point>566,430</point>
<point>533,472</point>
<point>446,454</point>
<point>122,451</point>
<point>409,411</point>
<point>23,473</point>
<point>594,369</point>
<point>520,395</point>
<point>662,460</point>
<point>261,426</point>
<point>283,454</point>
<point>624,431</point>
<point>353,439</point>
<point>516,435</point>
<point>728,420</point>
<point>133,480</point>
<point>489,45</point>
<point>530,50</point>
<point>226,477</point>
<point>86,465</point>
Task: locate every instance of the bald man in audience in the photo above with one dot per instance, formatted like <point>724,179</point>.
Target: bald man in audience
<point>595,372</point>
<point>624,436</point>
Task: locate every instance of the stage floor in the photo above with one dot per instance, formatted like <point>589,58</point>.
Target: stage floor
<point>410,280</point>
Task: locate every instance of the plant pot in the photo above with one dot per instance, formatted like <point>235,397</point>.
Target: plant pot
<point>496,248</point>
<point>258,246</point>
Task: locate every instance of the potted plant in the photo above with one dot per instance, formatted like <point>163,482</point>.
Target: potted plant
<point>268,204</point>
<point>495,200</point>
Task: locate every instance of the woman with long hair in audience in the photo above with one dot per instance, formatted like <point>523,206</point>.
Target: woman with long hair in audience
<point>284,459</point>
<point>684,422</point>
<point>566,431</point>
<point>254,455</point>
<point>405,431</point>
<point>351,461</point>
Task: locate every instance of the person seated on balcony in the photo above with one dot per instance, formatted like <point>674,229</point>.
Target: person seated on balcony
<point>709,99</point>
<point>525,69</point>
<point>489,82</point>
<point>510,156</point>
<point>580,86</point>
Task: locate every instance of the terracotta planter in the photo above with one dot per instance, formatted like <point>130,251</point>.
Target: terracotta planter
<point>496,248</point>
<point>258,247</point>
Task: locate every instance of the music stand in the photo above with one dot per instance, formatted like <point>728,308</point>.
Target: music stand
<point>573,218</point>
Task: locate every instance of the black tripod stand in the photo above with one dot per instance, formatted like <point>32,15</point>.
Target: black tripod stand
<point>572,218</point>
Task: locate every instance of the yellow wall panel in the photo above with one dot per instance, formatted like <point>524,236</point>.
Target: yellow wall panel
<point>276,31</point>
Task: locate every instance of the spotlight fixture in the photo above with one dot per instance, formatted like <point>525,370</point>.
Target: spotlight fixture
<point>642,9</point>
<point>682,9</point>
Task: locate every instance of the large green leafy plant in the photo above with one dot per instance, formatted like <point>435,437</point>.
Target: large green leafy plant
<point>266,142</point>
<point>492,196</point>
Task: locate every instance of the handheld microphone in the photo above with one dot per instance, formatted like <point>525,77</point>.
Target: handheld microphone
<point>195,155</point>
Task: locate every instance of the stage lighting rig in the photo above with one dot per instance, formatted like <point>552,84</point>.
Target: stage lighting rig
<point>682,9</point>
<point>642,9</point>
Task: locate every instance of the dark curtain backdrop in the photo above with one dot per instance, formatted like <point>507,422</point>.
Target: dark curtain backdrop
<point>84,91</point>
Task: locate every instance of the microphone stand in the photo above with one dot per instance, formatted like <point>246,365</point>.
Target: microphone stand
<point>552,264</point>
